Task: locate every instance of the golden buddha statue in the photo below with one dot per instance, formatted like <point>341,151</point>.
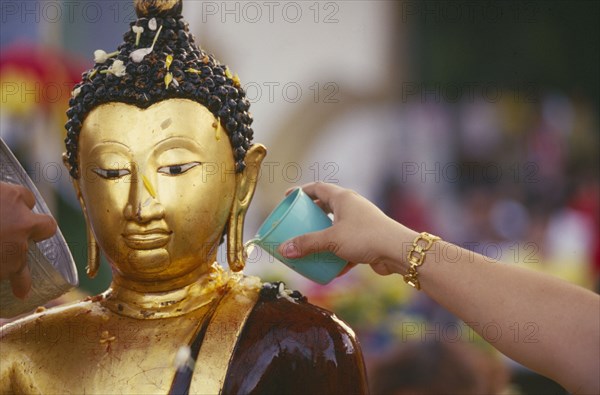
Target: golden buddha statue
<point>146,123</point>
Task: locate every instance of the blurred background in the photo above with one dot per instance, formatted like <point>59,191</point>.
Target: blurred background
<point>476,121</point>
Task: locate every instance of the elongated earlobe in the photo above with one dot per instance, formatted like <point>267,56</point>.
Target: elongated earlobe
<point>235,245</point>
<point>93,253</point>
<point>245,187</point>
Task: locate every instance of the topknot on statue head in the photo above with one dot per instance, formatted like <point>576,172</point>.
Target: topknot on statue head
<point>158,8</point>
<point>159,60</point>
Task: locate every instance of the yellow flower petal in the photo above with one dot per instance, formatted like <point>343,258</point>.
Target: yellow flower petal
<point>169,60</point>
<point>168,79</point>
<point>236,81</point>
<point>149,187</point>
<point>228,73</point>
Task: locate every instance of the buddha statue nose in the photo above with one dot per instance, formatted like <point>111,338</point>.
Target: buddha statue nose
<point>143,205</point>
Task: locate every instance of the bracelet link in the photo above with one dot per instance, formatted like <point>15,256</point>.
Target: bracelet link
<point>416,257</point>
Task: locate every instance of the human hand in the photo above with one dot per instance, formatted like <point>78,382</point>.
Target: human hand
<point>18,224</point>
<point>361,233</point>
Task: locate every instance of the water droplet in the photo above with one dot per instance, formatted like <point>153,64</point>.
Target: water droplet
<point>249,247</point>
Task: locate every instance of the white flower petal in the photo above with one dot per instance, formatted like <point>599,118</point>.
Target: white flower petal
<point>117,68</point>
<point>100,56</point>
<point>152,25</point>
<point>138,55</point>
<point>137,29</point>
<point>76,92</point>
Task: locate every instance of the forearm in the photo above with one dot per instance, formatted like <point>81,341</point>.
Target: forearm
<point>544,323</point>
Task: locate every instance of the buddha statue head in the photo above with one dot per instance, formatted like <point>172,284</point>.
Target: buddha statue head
<point>159,146</point>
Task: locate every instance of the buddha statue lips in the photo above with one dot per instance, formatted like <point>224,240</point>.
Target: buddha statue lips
<point>147,240</point>
<point>148,124</point>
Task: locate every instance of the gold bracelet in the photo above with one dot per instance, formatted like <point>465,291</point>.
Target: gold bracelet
<point>416,257</point>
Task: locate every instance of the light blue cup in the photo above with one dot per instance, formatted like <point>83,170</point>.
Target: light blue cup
<point>297,214</point>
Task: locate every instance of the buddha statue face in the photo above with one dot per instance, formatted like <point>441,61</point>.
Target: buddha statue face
<point>158,186</point>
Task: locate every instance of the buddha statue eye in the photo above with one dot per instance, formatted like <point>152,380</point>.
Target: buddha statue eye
<point>175,170</point>
<point>111,174</point>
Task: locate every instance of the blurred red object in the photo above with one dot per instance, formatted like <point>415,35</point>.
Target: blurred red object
<point>37,76</point>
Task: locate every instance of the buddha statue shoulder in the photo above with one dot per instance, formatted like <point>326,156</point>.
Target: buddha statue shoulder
<point>159,148</point>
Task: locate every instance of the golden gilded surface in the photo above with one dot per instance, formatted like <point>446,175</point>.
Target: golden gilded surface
<point>157,188</point>
<point>88,348</point>
<point>222,335</point>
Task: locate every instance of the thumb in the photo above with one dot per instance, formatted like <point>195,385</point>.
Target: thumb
<point>306,244</point>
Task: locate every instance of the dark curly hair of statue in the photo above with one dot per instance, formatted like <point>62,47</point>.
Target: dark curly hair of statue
<point>165,63</point>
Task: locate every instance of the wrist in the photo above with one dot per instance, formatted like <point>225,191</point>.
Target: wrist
<point>417,256</point>
<point>398,244</point>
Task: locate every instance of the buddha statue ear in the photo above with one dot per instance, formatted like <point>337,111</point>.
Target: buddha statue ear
<point>93,251</point>
<point>245,186</point>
